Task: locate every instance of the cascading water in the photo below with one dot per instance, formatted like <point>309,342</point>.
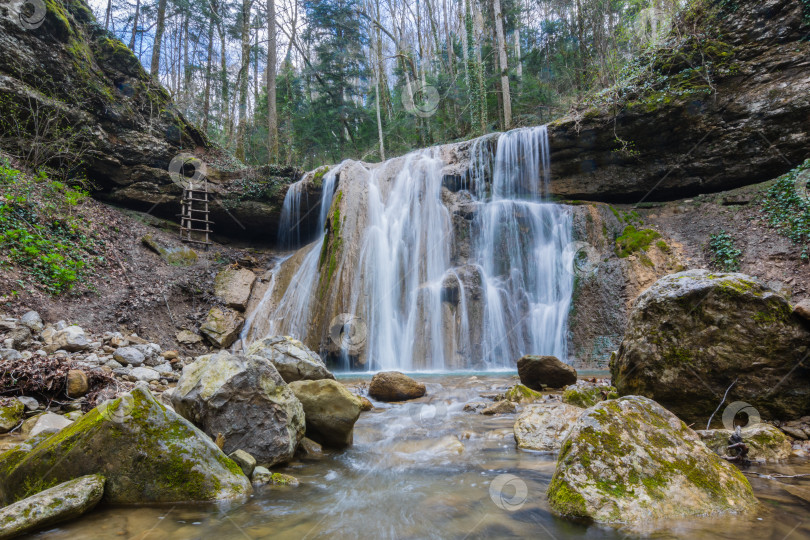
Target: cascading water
<point>425,306</point>
<point>291,317</point>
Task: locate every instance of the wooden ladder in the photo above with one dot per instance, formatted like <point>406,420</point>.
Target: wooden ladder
<point>195,227</point>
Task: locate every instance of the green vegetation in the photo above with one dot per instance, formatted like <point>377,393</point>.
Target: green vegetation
<point>725,255</point>
<point>41,231</point>
<point>633,240</point>
<point>786,206</point>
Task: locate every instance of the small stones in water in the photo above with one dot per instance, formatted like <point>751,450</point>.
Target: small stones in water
<point>262,476</point>
<point>500,407</point>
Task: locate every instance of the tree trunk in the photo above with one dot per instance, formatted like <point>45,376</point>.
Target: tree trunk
<point>243,82</point>
<point>272,117</point>
<point>154,67</point>
<point>135,24</point>
<point>502,65</point>
<point>108,15</point>
<point>207,101</point>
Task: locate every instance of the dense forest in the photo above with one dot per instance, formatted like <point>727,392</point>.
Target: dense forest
<point>370,79</point>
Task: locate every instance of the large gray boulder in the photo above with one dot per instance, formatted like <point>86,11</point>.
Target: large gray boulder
<point>692,334</point>
<point>147,453</point>
<point>60,503</point>
<point>244,399</point>
<point>630,460</point>
<point>293,360</point>
<point>222,325</point>
<point>330,410</point>
<point>71,339</point>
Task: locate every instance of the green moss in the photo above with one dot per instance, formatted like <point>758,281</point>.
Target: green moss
<point>587,397</point>
<point>520,393</point>
<point>678,355</point>
<point>633,240</point>
<point>317,178</point>
<point>564,499</point>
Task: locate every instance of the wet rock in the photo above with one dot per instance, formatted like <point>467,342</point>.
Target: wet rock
<point>330,411</point>
<point>244,399</point>
<point>129,356</point>
<point>46,422</point>
<point>692,334</point>
<point>630,460</point>
<point>499,407</point>
<point>310,448</point>
<point>63,502</point>
<point>545,426</point>
<point>33,321</point>
<point>522,394</point>
<point>147,453</point>
<point>262,476</point>
<point>77,384</point>
<point>71,339</point>
<point>222,326</point>
<point>293,360</point>
<point>245,461</point>
<point>586,394</point>
<point>539,371</point>
<point>395,386</point>
<point>186,337</point>
<point>12,412</point>
<point>233,285</point>
<point>764,442</point>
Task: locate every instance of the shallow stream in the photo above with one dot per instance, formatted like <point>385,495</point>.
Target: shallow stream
<point>426,469</point>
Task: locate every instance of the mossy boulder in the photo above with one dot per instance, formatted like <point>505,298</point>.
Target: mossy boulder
<point>174,255</point>
<point>147,453</point>
<point>63,502</point>
<point>521,394</point>
<point>293,360</point>
<point>12,412</point>
<point>245,400</point>
<point>631,460</point>
<point>692,334</point>
<point>586,394</point>
<point>765,442</point>
<point>330,411</point>
<point>545,426</point>
<point>222,326</point>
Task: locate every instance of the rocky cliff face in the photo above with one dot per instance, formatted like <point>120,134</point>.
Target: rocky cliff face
<point>74,96</point>
<point>724,103</point>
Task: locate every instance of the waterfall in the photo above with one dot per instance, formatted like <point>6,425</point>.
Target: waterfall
<point>291,316</point>
<point>427,304</point>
